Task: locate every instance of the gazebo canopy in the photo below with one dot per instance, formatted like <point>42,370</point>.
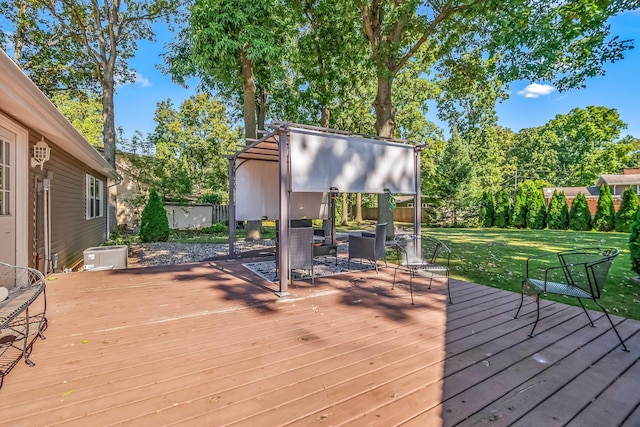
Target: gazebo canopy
<point>288,173</point>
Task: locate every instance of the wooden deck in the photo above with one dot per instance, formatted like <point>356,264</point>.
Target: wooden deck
<point>209,344</point>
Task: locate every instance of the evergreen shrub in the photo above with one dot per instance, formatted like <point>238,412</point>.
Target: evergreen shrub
<point>487,209</point>
<point>154,225</point>
<point>627,213</point>
<point>501,210</point>
<point>536,211</point>
<point>579,216</point>
<point>558,213</point>
<point>634,243</point>
<point>605,213</point>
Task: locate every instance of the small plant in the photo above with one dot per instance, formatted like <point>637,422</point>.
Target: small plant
<point>154,225</point>
<point>216,228</point>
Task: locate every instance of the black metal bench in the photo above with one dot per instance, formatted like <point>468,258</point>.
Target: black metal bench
<point>579,273</point>
<point>19,328</point>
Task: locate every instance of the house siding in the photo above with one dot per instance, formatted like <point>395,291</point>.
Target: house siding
<point>71,232</point>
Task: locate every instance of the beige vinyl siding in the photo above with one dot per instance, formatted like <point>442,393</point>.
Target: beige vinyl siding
<point>71,232</point>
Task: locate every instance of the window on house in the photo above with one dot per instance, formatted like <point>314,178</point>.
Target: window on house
<point>95,191</point>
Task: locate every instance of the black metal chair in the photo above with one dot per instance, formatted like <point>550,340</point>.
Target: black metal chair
<point>579,273</point>
<point>423,256</point>
<point>301,249</point>
<point>369,246</point>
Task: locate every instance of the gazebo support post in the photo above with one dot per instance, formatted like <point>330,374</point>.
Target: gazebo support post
<point>417,201</point>
<point>283,214</point>
<point>232,207</point>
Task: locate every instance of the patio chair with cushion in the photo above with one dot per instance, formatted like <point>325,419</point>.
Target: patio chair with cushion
<point>369,246</point>
<point>301,249</point>
<point>579,273</point>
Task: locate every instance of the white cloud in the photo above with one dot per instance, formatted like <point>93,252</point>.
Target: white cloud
<point>142,81</point>
<point>535,90</point>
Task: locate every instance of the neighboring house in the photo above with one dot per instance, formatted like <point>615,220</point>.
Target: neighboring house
<point>617,184</point>
<point>50,210</point>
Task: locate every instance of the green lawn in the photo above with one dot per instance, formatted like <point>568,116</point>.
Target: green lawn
<point>496,257</point>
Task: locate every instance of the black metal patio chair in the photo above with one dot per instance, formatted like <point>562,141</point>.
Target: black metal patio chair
<point>579,273</point>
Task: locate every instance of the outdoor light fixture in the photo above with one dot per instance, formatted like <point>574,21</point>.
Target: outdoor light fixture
<point>41,153</point>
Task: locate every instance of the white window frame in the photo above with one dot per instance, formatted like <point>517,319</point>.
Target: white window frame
<point>94,199</point>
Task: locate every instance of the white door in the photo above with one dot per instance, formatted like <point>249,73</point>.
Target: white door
<point>7,196</point>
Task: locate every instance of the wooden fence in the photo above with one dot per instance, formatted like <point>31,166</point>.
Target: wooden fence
<point>399,214</point>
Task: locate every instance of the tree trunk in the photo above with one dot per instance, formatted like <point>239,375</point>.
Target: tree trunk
<point>21,31</point>
<point>109,139</point>
<point>325,114</point>
<point>254,228</point>
<point>345,209</point>
<point>385,126</point>
<point>262,109</point>
<point>359,208</point>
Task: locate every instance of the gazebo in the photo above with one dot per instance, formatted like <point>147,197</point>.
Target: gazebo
<point>291,172</point>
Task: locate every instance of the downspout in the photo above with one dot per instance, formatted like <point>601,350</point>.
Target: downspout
<point>232,208</point>
<point>46,186</point>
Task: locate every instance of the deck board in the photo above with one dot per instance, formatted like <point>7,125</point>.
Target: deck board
<point>210,344</point>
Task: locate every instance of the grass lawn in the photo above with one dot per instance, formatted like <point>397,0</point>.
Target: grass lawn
<point>496,257</point>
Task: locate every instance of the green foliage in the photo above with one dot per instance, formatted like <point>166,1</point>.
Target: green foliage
<point>558,212</point>
<point>84,112</point>
<point>536,211</point>
<point>634,244</point>
<point>518,214</point>
<point>579,215</point>
<point>189,146</point>
<point>210,197</point>
<point>216,228</point>
<point>627,212</point>
<point>486,209</point>
<point>605,214</point>
<point>453,178</point>
<point>502,208</point>
<point>154,224</point>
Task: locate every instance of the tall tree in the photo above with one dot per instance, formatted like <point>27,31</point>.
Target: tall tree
<point>197,135</point>
<point>452,181</point>
<point>486,209</point>
<point>561,42</point>
<point>108,32</point>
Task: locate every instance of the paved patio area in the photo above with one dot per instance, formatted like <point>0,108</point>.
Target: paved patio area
<point>209,344</point>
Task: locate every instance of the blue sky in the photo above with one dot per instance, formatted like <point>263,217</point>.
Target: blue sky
<point>530,104</point>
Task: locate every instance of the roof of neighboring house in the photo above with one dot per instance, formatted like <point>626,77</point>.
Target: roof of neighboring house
<point>572,191</point>
<point>22,100</point>
<point>628,179</point>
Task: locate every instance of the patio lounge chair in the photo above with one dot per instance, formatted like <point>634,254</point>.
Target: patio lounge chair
<point>579,273</point>
<point>369,246</point>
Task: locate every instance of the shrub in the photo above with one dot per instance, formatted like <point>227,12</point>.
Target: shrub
<point>216,228</point>
<point>519,209</point>
<point>558,213</point>
<point>627,213</point>
<point>154,225</point>
<point>579,216</point>
<point>604,212</point>
<point>501,211</point>
<point>536,211</point>
<point>486,209</point>
<point>634,243</point>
